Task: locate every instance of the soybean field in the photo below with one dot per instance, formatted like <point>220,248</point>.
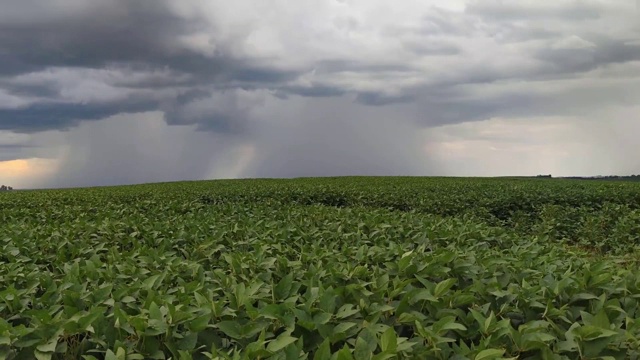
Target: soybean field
<point>323,269</point>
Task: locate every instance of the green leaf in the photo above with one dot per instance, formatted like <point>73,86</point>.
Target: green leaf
<point>488,322</point>
<point>121,354</point>
<point>595,347</point>
<point>188,342</point>
<point>154,312</point>
<point>200,323</point>
<point>322,318</point>
<point>324,351</point>
<point>583,296</point>
<point>40,355</point>
<point>423,294</point>
<point>230,328</point>
<point>489,354</point>
<point>343,327</point>
<point>536,340</point>
<point>344,354</point>
<point>150,282</point>
<point>50,346</point>
<point>362,351</point>
<point>346,310</point>
<point>601,320</point>
<point>590,332</point>
<point>281,342</point>
<point>110,355</point>
<point>283,288</point>
<point>443,287</point>
<point>327,302</point>
<point>389,340</point>
<point>370,338</point>
<point>448,323</point>
<point>479,317</point>
<point>5,340</point>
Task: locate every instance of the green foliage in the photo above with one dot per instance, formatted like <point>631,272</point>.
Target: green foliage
<point>347,268</point>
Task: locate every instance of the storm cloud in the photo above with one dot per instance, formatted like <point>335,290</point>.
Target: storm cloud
<point>138,91</point>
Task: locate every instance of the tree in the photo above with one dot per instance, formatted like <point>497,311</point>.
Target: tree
<point>5,188</point>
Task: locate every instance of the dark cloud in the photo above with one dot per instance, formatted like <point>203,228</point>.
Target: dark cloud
<point>136,34</point>
<point>42,117</point>
<point>127,37</point>
<point>13,151</point>
<point>131,32</point>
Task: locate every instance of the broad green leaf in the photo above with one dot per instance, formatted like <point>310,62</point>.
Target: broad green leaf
<point>343,327</point>
<point>344,354</point>
<point>489,354</point>
<point>283,288</point>
<point>346,310</point>
<point>41,355</point>
<point>281,342</point>
<point>423,294</point>
<point>200,323</point>
<point>324,351</point>
<point>230,328</point>
<point>362,351</point>
<point>444,286</point>
<point>50,346</point>
<point>389,340</point>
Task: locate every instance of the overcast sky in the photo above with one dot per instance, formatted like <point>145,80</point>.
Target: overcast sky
<point>129,91</point>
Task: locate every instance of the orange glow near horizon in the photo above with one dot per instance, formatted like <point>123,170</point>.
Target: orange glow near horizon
<point>25,172</point>
<point>15,167</point>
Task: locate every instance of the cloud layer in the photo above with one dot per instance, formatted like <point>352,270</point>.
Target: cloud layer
<point>123,91</point>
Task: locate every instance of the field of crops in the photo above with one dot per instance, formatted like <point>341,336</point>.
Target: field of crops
<point>335,268</point>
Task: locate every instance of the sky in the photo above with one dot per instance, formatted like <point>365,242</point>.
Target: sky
<point>131,91</point>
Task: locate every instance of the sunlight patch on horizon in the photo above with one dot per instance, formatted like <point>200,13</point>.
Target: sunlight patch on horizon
<point>26,173</point>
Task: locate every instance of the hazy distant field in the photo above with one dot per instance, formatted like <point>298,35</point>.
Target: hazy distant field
<point>334,268</point>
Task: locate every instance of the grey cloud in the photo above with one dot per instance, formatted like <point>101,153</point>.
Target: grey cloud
<point>226,111</point>
<point>309,91</point>
<point>575,98</point>
<point>380,99</point>
<point>31,90</point>
<point>498,10</point>
<point>341,65</point>
<point>428,48</point>
<point>442,22</point>
<point>142,37</point>
<point>604,52</point>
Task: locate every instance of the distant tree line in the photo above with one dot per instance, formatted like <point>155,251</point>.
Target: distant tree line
<point>607,177</point>
<point>5,188</point>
